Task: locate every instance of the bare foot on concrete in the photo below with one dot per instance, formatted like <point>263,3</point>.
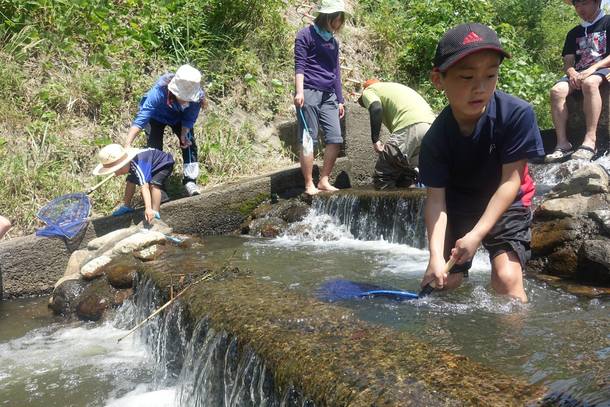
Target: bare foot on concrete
<point>326,187</point>
<point>312,190</point>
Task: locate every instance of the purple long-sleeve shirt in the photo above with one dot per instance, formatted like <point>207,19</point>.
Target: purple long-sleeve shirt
<point>318,61</point>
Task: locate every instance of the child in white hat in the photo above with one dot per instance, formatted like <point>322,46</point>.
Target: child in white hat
<point>147,168</point>
<point>174,101</point>
<point>319,97</point>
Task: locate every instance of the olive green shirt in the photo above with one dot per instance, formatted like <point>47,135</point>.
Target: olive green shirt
<point>402,106</point>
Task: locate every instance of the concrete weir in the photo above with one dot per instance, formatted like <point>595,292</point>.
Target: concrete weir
<point>334,359</point>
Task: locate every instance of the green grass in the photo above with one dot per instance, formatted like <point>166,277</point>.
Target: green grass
<point>73,71</point>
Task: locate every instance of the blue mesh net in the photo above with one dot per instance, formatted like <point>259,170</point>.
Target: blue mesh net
<point>65,216</point>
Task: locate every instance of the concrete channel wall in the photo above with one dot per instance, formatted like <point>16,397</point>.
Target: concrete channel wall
<point>31,265</point>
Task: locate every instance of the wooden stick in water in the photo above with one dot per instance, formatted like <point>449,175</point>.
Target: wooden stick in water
<point>167,304</point>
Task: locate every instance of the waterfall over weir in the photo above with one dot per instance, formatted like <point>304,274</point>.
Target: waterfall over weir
<point>207,367</point>
<point>395,216</point>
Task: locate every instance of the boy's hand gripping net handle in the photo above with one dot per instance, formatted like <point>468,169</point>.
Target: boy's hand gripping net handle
<point>428,288</point>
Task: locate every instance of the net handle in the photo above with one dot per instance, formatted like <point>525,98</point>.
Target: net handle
<point>102,182</point>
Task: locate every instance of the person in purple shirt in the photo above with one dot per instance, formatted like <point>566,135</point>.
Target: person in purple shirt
<point>174,101</point>
<point>147,168</point>
<point>318,96</point>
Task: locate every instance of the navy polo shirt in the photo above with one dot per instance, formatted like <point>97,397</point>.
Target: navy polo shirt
<point>470,167</point>
<point>146,164</point>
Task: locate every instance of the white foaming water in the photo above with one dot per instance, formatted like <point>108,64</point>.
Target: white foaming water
<point>552,174</point>
<point>324,233</point>
<point>141,396</point>
<point>68,358</point>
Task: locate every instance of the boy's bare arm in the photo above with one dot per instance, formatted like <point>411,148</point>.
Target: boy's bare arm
<point>131,135</point>
<point>435,216</point>
<point>512,173</point>
<point>149,214</point>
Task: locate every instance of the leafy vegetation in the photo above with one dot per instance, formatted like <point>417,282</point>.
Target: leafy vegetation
<point>73,71</point>
<point>533,31</point>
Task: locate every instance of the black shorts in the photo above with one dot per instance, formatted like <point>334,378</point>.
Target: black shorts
<point>512,233</point>
<point>159,177</point>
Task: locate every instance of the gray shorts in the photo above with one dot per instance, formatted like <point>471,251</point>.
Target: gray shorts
<point>323,108</point>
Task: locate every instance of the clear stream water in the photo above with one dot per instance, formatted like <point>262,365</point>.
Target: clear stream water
<point>559,340</point>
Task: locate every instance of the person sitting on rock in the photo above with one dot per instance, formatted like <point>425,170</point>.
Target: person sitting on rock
<point>174,101</point>
<point>473,162</point>
<point>5,225</point>
<point>407,116</point>
<point>147,168</point>
<point>586,58</point>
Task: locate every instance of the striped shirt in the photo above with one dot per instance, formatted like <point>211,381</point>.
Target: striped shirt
<point>147,163</point>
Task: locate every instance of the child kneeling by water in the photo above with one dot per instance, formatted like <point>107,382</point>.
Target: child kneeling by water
<point>473,161</point>
<point>147,168</point>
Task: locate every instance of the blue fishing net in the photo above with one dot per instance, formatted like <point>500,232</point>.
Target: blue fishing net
<point>65,216</point>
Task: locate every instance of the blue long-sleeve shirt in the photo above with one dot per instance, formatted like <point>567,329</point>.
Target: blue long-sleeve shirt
<point>157,105</point>
<point>318,61</point>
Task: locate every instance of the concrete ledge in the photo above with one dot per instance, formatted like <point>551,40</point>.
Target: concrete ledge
<point>31,265</point>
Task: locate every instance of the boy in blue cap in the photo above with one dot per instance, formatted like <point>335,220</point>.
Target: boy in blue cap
<point>473,161</point>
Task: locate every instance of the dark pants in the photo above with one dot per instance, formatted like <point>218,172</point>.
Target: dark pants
<point>154,139</point>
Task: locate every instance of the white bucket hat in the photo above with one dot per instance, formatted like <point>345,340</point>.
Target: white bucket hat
<point>186,84</point>
<point>112,157</point>
<point>331,6</point>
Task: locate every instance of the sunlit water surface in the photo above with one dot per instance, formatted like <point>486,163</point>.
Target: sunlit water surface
<point>558,340</point>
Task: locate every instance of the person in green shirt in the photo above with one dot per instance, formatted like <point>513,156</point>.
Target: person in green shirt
<point>408,117</point>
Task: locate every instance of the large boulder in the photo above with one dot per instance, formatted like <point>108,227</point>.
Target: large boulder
<point>572,206</point>
<point>587,180</point>
<point>138,241</point>
<point>595,262</point>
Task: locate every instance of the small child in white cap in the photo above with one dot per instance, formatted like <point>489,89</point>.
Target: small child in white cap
<point>174,101</point>
<point>147,168</point>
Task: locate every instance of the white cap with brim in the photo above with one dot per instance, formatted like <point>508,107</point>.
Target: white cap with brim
<point>113,157</point>
<point>330,7</point>
<point>186,84</point>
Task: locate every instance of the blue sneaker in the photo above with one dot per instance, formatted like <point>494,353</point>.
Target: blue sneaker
<point>122,210</point>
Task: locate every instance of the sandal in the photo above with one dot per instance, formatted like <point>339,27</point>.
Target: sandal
<point>583,153</point>
<point>559,154</point>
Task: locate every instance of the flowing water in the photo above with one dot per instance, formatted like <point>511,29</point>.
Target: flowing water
<point>558,340</point>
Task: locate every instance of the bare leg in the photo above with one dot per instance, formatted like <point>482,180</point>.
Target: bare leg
<point>592,105</point>
<point>331,152</point>
<point>307,171</point>
<point>5,225</point>
<point>155,198</point>
<point>130,189</point>
<point>454,281</point>
<point>559,112</point>
<point>507,276</point>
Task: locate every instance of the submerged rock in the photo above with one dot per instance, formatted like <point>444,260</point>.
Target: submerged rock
<point>267,227</point>
<point>96,299</point>
<point>122,272</point>
<point>66,296</point>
